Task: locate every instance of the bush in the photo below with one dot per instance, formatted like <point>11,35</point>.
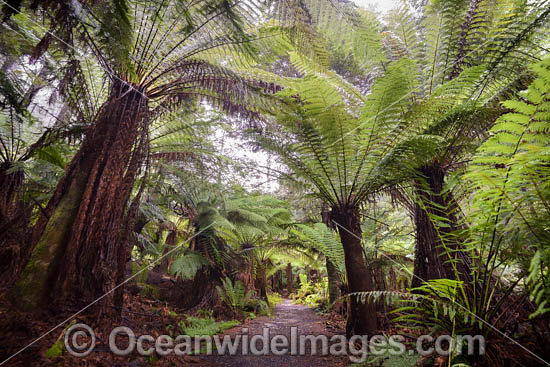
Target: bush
<point>234,296</point>
<point>198,326</point>
<point>312,294</point>
<point>274,299</point>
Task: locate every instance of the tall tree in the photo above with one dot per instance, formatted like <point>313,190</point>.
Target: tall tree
<point>25,140</point>
<point>327,147</point>
<point>467,57</point>
<point>79,241</point>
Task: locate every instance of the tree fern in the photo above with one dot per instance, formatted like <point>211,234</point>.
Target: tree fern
<point>510,169</point>
<point>324,240</point>
<point>234,295</point>
<point>186,266</point>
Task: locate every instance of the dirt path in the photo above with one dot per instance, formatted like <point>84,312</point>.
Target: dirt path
<point>285,316</point>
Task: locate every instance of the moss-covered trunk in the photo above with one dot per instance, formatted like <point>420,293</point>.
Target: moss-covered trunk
<point>436,223</point>
<point>79,241</point>
<point>362,320</point>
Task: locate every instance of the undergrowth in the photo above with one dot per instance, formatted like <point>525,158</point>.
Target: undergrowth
<point>200,326</point>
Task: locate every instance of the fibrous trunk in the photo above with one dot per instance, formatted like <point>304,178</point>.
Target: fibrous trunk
<point>333,283</point>
<point>79,241</point>
<point>362,320</point>
<point>262,282</point>
<point>171,242</point>
<point>437,254</point>
<point>10,188</point>
<point>14,218</point>
<point>289,285</point>
<point>333,278</point>
<point>277,279</point>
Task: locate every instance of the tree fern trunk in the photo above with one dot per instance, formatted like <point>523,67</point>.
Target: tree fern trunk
<point>171,242</point>
<point>289,285</point>
<point>10,188</point>
<point>432,261</point>
<point>79,251</point>
<point>334,283</point>
<point>262,282</point>
<point>362,320</point>
<point>278,277</point>
<point>14,219</point>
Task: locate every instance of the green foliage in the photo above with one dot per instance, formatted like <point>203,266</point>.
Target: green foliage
<point>140,271</point>
<point>252,220</point>
<point>258,307</point>
<point>439,305</point>
<point>322,239</point>
<point>197,326</point>
<point>510,171</point>
<point>326,144</point>
<point>313,294</point>
<point>404,360</point>
<point>234,295</point>
<point>368,105</point>
<point>56,349</point>
<point>389,359</point>
<point>274,298</point>
<point>117,34</point>
<point>186,266</point>
<point>149,291</point>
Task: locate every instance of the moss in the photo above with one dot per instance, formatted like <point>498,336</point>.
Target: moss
<point>172,313</point>
<point>56,350</point>
<point>34,284</point>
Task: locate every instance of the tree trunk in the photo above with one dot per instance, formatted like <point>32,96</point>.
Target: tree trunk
<point>200,292</point>
<point>262,282</point>
<point>79,242</point>
<point>139,223</point>
<point>171,242</point>
<point>14,222</point>
<point>362,320</point>
<point>289,285</point>
<point>10,189</point>
<point>278,281</point>
<point>334,283</point>
<point>431,259</point>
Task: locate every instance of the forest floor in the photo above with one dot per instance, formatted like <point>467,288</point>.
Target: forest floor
<point>146,316</point>
<point>285,316</point>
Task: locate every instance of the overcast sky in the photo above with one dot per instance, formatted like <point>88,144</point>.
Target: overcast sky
<point>233,147</point>
<point>382,5</point>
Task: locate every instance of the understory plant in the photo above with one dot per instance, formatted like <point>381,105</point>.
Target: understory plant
<point>312,293</point>
<point>234,295</point>
<point>506,237</point>
<point>205,325</point>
